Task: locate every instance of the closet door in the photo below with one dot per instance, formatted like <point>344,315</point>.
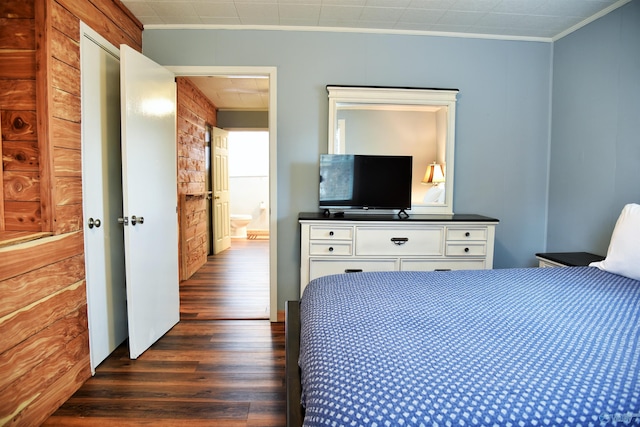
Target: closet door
<point>102,195</point>
<point>149,176</point>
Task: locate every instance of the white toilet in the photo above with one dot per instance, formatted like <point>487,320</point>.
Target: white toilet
<point>239,224</point>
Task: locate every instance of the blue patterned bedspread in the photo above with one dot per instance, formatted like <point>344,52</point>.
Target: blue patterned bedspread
<point>519,347</point>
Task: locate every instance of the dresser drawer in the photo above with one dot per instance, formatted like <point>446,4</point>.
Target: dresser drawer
<point>397,241</point>
<point>467,233</point>
<point>325,267</point>
<point>445,264</point>
<point>336,248</point>
<point>466,249</point>
<point>330,233</point>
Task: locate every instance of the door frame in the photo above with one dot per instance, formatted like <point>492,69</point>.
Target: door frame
<point>270,72</point>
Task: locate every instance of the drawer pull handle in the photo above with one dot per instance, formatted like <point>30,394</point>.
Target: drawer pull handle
<point>331,233</point>
<point>353,270</point>
<point>398,241</point>
<point>330,248</point>
<point>467,234</point>
<point>466,249</point>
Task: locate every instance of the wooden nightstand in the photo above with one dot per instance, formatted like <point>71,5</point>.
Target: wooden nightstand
<point>567,259</point>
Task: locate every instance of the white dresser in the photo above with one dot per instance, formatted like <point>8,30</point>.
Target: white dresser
<point>357,243</point>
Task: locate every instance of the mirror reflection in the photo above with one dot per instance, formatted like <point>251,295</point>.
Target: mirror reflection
<point>393,121</point>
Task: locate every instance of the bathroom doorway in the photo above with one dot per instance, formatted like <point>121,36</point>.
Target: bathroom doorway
<point>249,184</point>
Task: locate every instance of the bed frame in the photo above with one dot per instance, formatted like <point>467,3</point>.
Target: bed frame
<point>295,413</point>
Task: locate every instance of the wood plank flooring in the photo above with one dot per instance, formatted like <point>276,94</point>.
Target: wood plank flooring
<point>233,284</point>
<point>226,373</point>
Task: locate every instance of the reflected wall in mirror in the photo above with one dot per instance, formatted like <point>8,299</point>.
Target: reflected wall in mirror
<point>400,121</point>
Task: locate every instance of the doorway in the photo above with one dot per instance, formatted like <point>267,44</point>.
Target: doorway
<point>270,74</point>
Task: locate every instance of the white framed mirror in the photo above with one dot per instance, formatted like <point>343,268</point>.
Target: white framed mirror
<point>400,121</point>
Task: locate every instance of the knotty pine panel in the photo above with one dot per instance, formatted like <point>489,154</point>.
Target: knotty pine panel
<point>68,190</point>
<point>25,289</point>
<point>39,315</point>
<point>17,9</point>
<point>68,218</point>
<point>18,125</point>
<point>66,106</point>
<point>17,65</point>
<point>22,216</point>
<point>67,162</point>
<point>38,347</point>
<point>59,375</point>
<point>66,134</point>
<point>27,257</point>
<point>65,22</point>
<point>21,186</point>
<point>65,77</point>
<point>107,19</point>
<point>17,95</point>
<point>19,155</point>
<point>65,48</point>
<point>17,33</point>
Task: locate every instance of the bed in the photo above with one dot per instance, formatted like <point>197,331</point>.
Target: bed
<point>527,346</point>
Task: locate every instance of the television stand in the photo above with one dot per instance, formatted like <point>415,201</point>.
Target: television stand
<point>403,214</point>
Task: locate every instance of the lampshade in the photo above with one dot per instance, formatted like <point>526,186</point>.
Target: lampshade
<point>434,174</point>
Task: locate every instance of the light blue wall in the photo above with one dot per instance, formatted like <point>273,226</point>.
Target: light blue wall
<point>595,148</point>
<point>502,132</point>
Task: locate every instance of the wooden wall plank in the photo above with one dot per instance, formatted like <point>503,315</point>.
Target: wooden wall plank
<point>21,186</point>
<point>17,327</point>
<point>65,133</point>
<point>98,19</point>
<point>17,33</point>
<point>21,259</point>
<point>65,106</point>
<point>65,48</point>
<point>45,388</point>
<point>66,77</point>
<point>17,65</point>
<point>23,216</point>
<point>23,290</point>
<point>20,155</point>
<point>67,162</point>
<point>68,218</point>
<point>19,125</point>
<point>32,351</point>
<point>17,95</point>
<point>68,190</point>
<point>16,9</point>
<point>43,98</point>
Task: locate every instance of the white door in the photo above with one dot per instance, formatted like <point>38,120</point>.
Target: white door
<point>102,195</point>
<point>149,175</point>
<point>221,208</point>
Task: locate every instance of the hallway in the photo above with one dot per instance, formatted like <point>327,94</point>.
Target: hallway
<point>231,285</point>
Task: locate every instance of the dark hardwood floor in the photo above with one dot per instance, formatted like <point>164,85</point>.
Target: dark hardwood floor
<point>232,285</point>
<point>223,373</point>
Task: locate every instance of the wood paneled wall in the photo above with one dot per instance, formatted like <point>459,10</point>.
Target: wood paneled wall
<point>44,350</point>
<point>20,183</point>
<point>195,111</point>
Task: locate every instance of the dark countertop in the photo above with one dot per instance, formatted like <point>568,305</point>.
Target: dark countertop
<point>348,216</point>
<point>571,259</point>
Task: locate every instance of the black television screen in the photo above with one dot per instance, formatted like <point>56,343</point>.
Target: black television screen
<point>349,181</point>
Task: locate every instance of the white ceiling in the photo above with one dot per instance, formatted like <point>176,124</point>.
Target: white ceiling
<point>235,93</point>
<point>514,19</point>
<point>541,20</point>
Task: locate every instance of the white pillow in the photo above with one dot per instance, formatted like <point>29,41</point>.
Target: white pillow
<point>623,255</point>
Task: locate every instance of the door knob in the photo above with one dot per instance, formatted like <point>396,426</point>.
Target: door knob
<point>123,220</point>
<point>137,220</point>
<point>93,222</point>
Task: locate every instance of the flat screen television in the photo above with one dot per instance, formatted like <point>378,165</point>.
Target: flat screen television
<point>352,181</point>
